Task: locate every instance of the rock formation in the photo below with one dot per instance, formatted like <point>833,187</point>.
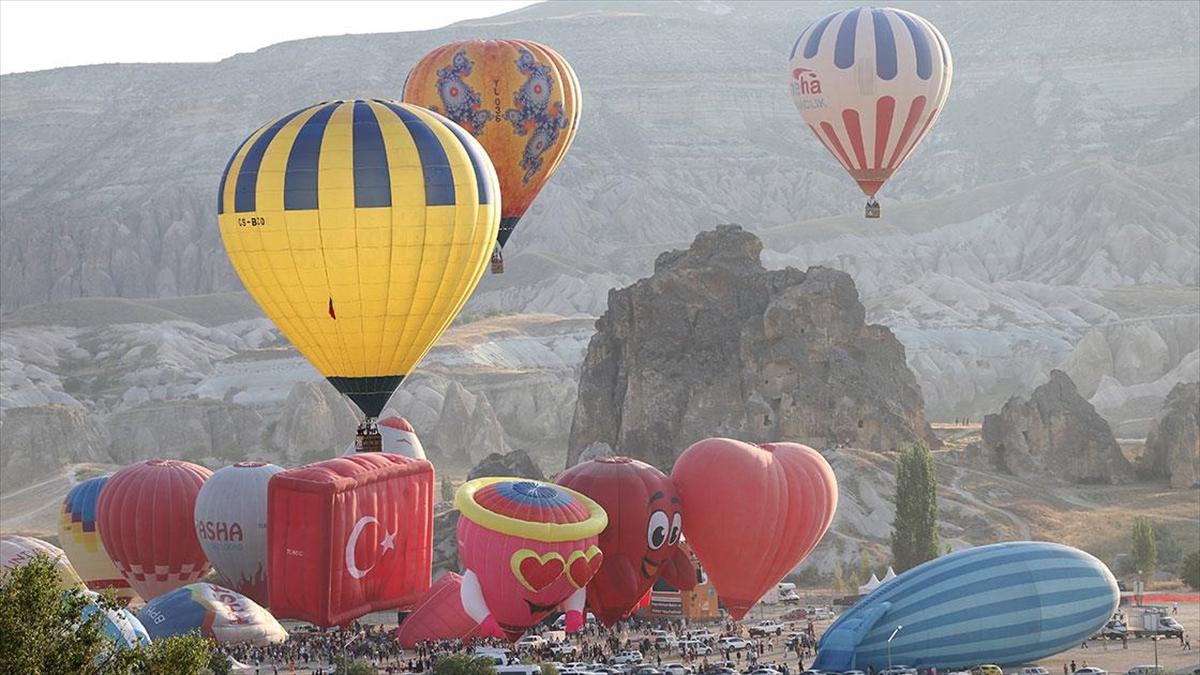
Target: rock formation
<point>1055,432</point>
<point>714,344</point>
<point>316,423</point>
<point>38,440</point>
<point>1173,446</point>
<point>467,427</point>
<point>516,463</point>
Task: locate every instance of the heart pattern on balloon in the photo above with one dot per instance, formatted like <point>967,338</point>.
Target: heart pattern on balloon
<point>534,571</point>
<point>753,512</point>
<point>583,565</point>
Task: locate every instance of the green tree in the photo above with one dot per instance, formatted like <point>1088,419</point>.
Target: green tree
<point>838,581</point>
<point>865,568</point>
<point>447,489</point>
<point>464,664</point>
<point>914,531</point>
<point>1191,570</point>
<point>43,632</point>
<point>1144,554</point>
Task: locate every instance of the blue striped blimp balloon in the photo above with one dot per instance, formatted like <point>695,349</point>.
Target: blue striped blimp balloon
<point>1007,604</point>
<point>122,627</point>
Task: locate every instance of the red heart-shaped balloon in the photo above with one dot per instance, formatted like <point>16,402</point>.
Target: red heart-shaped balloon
<point>583,566</point>
<point>537,572</point>
<point>752,513</point>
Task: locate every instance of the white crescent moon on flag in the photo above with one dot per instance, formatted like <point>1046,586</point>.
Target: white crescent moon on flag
<point>351,567</point>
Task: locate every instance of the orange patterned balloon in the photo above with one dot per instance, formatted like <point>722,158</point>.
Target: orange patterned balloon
<point>518,98</point>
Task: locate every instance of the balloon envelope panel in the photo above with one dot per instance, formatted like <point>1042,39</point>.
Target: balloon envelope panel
<point>120,625</point>
<point>231,523</point>
<point>146,515</point>
<point>870,81</point>
<point>360,528</point>
<point>360,228</point>
<point>217,612</point>
<point>80,540</point>
<point>438,615</point>
<point>1006,604</point>
<point>520,99</point>
<point>16,550</point>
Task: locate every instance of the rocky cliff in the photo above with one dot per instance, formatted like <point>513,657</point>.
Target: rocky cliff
<point>1173,446</point>
<point>1054,432</point>
<point>714,344</point>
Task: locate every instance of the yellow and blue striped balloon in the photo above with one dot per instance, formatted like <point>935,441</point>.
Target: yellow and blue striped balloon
<point>361,229</point>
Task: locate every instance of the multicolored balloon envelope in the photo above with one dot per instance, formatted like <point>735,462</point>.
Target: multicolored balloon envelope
<point>349,536</point>
<point>398,436</point>
<point>526,547</point>
<point>16,550</point>
<point>360,228</point>
<point>217,612</point>
<point>1006,604</point>
<point>640,543</point>
<point>753,512</point>
<point>870,81</point>
<point>120,625</point>
<point>438,615</point>
<point>231,523</point>
<point>81,540</point>
<point>521,100</point>
<point>146,519</point>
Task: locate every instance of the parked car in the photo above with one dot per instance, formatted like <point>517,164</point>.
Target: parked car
<point>667,641</point>
<point>564,649</point>
<point>853,672</point>
<point>768,627</point>
<point>676,669</point>
<point>898,670</point>
<point>987,669</point>
<point>694,647</point>
<point>732,642</point>
<point>822,614</point>
<point>627,657</point>
<point>532,642</point>
<point>1034,670</point>
<point>1091,670</point>
<point>795,614</point>
<point>702,634</point>
<point>647,670</point>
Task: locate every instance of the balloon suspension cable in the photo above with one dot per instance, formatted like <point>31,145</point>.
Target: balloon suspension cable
<point>367,438</point>
<point>497,260</point>
<point>872,210</point>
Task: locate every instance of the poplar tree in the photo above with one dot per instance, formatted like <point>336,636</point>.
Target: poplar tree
<point>914,531</point>
<point>1145,549</point>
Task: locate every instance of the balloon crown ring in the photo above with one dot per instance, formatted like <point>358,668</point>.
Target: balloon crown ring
<point>532,509</point>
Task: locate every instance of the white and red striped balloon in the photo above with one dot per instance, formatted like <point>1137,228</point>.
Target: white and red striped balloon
<point>870,81</point>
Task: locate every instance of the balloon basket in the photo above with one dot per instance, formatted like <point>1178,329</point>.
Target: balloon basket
<point>872,210</point>
<point>497,261</point>
<point>368,439</point>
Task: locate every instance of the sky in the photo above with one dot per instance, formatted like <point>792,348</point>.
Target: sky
<point>44,34</point>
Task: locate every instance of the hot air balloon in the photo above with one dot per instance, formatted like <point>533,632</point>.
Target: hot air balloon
<point>231,524</point>
<point>870,81</point>
<point>640,543</point>
<point>396,436</point>
<point>1008,604</point>
<point>753,512</point>
<point>215,611</point>
<point>16,550</point>
<point>358,528</point>
<point>526,547</point>
<point>146,518</point>
<point>519,98</point>
<point>81,541</point>
<point>120,625</point>
<point>360,228</point>
<point>438,615</point>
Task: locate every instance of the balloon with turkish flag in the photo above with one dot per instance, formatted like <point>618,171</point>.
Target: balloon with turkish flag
<point>754,512</point>
<point>349,536</point>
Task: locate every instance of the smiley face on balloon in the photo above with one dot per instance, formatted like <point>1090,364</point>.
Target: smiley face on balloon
<point>640,544</point>
<point>527,547</point>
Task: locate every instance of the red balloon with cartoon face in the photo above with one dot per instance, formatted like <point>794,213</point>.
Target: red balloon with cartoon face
<point>753,512</point>
<point>526,547</point>
<point>641,541</point>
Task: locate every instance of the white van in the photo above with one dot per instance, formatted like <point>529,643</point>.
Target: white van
<point>1146,670</point>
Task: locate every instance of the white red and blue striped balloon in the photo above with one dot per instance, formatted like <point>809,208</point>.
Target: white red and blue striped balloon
<point>121,626</point>
<point>231,524</point>
<point>870,81</point>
